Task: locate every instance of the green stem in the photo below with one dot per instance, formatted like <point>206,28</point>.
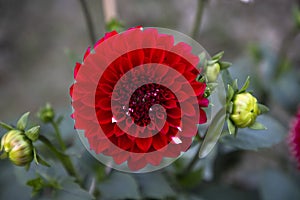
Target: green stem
<point>88,20</point>
<point>58,135</point>
<point>198,18</point>
<point>193,162</point>
<point>64,159</point>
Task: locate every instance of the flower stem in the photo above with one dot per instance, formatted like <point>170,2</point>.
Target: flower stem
<point>198,18</point>
<point>58,135</point>
<point>192,163</point>
<point>88,20</point>
<point>64,159</point>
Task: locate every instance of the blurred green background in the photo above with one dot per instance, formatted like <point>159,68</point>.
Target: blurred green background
<point>41,40</point>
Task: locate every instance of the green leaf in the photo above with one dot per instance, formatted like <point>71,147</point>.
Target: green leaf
<point>225,65</point>
<point>154,186</point>
<point>33,133</point>
<point>245,86</point>
<point>262,108</point>
<point>71,190</point>
<point>37,185</point>
<point>231,128</point>
<point>119,186</point>
<point>6,126</point>
<point>213,133</point>
<point>249,139</point>
<point>257,126</point>
<point>22,122</point>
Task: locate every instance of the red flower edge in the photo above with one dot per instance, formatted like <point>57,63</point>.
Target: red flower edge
<point>294,138</point>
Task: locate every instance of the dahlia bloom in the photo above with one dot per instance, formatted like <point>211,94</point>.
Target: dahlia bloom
<point>294,138</point>
<point>136,97</point>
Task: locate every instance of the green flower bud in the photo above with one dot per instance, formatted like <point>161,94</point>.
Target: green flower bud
<point>46,114</point>
<point>18,147</point>
<point>212,72</point>
<point>245,110</point>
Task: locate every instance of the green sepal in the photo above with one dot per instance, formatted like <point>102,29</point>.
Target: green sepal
<point>262,108</point>
<point>6,126</point>
<point>231,128</point>
<point>235,85</point>
<point>230,93</point>
<point>3,155</point>
<point>225,65</point>
<point>1,144</point>
<point>33,133</point>
<point>22,122</point>
<point>201,78</point>
<point>257,126</point>
<point>38,160</point>
<point>212,62</point>
<point>218,56</point>
<point>245,86</point>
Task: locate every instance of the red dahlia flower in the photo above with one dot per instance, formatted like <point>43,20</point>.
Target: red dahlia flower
<point>136,97</point>
<point>294,138</point>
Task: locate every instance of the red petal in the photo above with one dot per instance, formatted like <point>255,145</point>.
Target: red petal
<point>87,52</point>
<point>159,141</point>
<point>144,143</point>
<point>76,69</point>
<point>124,142</point>
<point>203,117</point>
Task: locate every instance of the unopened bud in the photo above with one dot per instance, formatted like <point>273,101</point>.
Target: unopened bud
<point>212,72</point>
<point>46,114</point>
<point>18,147</point>
<point>245,110</point>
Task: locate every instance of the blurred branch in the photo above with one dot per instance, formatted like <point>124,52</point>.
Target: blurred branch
<point>110,10</point>
<point>286,43</point>
<point>198,18</point>
<point>88,20</point>
<point>283,62</point>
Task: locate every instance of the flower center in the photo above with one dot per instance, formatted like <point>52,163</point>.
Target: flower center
<point>144,98</point>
